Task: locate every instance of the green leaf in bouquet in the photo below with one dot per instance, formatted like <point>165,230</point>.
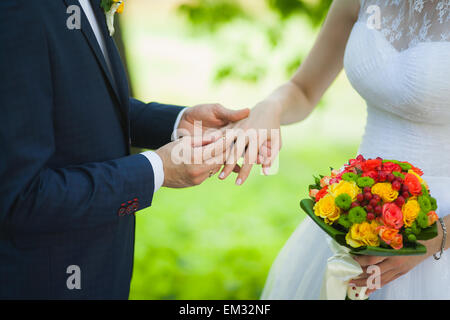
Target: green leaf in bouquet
<point>410,249</point>
<point>428,233</point>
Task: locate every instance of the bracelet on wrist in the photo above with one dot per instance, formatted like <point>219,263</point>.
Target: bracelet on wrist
<point>438,255</point>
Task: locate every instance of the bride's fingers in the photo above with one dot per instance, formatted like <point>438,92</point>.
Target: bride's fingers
<point>249,160</point>
<point>385,278</point>
<point>366,261</point>
<point>235,154</point>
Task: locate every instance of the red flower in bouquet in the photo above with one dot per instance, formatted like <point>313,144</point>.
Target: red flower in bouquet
<point>322,193</point>
<point>391,167</point>
<point>371,174</point>
<point>371,165</point>
<point>413,184</point>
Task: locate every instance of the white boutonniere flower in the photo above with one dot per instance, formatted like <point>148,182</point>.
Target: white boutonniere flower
<point>111,7</point>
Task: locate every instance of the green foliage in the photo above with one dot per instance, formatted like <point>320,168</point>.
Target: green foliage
<point>106,4</point>
<point>314,10</point>
<point>211,16</point>
<point>398,174</point>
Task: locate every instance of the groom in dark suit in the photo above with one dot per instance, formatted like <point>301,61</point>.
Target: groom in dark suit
<point>69,187</point>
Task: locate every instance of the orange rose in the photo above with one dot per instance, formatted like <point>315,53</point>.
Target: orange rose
<point>432,217</point>
<point>397,242</point>
<point>413,184</point>
<point>391,237</point>
<point>392,216</point>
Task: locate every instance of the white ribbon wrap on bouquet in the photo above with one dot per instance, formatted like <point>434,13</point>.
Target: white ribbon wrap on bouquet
<point>341,268</point>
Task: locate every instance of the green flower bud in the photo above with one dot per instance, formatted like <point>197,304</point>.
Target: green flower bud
<point>415,228</point>
<point>343,201</point>
<point>433,203</point>
<point>349,176</point>
<point>412,238</point>
<point>357,215</point>
<point>365,182</point>
<point>422,220</point>
<point>345,221</point>
<point>424,190</point>
<point>425,203</point>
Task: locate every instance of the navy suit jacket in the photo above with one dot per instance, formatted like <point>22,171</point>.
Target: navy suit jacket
<point>69,187</point>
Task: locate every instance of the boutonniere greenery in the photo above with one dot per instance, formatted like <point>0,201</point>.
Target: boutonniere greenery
<point>111,7</point>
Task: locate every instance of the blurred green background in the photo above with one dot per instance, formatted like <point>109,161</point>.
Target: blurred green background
<point>218,241</point>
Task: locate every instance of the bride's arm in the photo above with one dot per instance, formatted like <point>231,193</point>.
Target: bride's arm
<point>294,100</point>
<point>298,97</point>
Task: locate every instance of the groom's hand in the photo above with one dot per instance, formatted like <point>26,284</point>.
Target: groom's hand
<point>191,160</point>
<point>208,116</point>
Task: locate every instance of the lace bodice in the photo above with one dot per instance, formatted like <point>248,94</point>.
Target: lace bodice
<point>405,23</point>
<point>402,70</point>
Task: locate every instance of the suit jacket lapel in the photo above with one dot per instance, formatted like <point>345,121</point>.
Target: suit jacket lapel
<point>94,45</point>
<point>116,62</point>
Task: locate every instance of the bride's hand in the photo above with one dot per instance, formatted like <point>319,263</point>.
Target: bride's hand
<point>257,140</point>
<point>391,268</point>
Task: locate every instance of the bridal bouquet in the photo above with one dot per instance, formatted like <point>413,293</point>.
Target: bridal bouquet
<point>374,207</point>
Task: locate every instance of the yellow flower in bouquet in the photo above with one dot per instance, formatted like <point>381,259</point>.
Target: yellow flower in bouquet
<point>348,187</point>
<point>385,191</point>
<point>327,209</point>
<point>363,234</point>
<point>411,210</point>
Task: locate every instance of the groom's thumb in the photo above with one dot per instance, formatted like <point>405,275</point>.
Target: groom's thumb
<point>232,115</point>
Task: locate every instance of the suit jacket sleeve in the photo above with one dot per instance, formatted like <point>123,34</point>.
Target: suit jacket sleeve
<point>152,124</point>
<point>33,196</point>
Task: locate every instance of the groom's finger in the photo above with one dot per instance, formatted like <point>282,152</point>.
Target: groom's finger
<point>200,141</point>
<point>217,149</point>
<point>228,115</point>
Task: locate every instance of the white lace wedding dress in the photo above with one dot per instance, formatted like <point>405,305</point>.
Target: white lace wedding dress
<point>402,69</point>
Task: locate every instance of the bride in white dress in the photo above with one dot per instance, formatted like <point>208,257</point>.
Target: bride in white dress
<point>396,54</point>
